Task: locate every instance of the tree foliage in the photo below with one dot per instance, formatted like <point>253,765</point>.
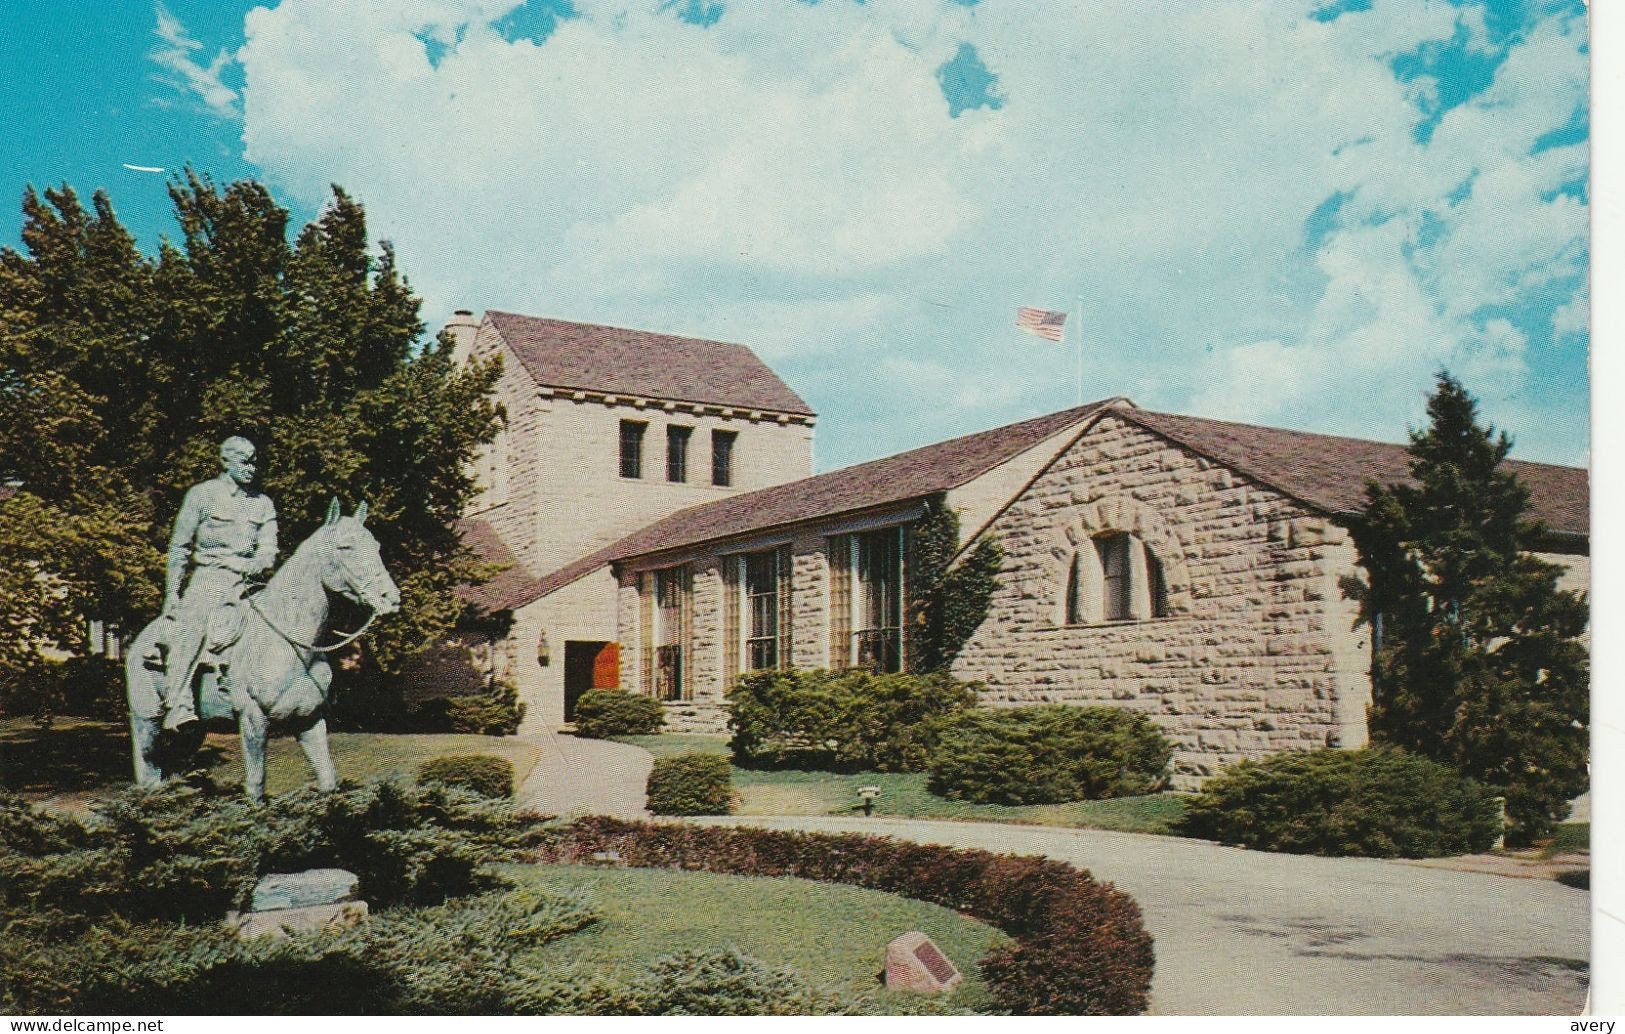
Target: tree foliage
<point>1478,664</point>
<point>120,373</point>
<point>950,600</point>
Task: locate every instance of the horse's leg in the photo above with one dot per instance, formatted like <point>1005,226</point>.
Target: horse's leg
<point>143,738</point>
<point>313,741</point>
<point>146,710</point>
<point>254,727</point>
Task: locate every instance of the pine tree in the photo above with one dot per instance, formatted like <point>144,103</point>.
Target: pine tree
<point>120,374</point>
<point>1478,663</point>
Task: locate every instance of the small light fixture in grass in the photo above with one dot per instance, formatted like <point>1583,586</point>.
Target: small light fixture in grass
<point>867,795</point>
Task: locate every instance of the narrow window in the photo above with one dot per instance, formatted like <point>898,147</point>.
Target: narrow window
<point>1114,566</point>
<point>877,568</point>
<point>1074,590</point>
<point>761,609</point>
<point>677,453</point>
<point>670,592</point>
<point>632,448</point>
<point>1159,587</point>
<point>722,457</point>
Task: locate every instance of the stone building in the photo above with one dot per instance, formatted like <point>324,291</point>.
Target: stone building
<point>606,430</point>
<point>1197,570</point>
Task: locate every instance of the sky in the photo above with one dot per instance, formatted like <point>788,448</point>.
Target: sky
<point>1292,212</point>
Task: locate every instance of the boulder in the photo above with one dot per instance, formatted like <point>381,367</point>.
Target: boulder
<point>283,922</point>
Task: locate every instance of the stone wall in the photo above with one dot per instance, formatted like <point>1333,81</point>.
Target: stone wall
<point>551,482</point>
<point>1258,649</point>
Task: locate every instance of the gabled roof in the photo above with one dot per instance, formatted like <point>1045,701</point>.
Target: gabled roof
<point>586,356</point>
<point>906,476</point>
<point>512,587</point>
<point>1330,473</point>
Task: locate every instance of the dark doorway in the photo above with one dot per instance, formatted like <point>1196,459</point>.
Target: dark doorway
<point>589,666</point>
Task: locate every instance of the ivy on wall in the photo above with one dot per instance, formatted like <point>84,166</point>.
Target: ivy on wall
<point>949,600</point>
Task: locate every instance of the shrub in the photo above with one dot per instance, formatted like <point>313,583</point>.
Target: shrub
<point>691,784</point>
<point>459,957</point>
<point>842,720</point>
<point>486,775</point>
<point>1080,947</point>
<point>1376,802</point>
<point>693,982</point>
<point>494,713</point>
<point>177,853</point>
<point>601,713</point>
<point>1048,755</point>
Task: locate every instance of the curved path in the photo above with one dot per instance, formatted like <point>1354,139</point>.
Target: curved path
<point>1245,932</point>
<point>586,777</point>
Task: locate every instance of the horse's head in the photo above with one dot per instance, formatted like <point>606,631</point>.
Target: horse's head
<point>355,566</point>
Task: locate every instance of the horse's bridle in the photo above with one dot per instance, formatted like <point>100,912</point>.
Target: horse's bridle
<point>347,638</point>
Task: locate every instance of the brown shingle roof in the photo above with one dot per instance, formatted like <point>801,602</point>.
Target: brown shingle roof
<point>587,356</point>
<point>513,587</point>
<point>1325,472</point>
<point>909,475</point>
<point>1330,473</point>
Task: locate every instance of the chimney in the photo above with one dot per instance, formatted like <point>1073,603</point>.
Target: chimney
<point>462,327</point>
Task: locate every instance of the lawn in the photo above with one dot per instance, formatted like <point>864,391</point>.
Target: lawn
<point>834,935</point>
<point>76,759</point>
<point>903,794</point>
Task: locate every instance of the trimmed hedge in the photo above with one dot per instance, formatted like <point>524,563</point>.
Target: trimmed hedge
<point>1375,802</point>
<point>602,713</point>
<point>850,720</point>
<point>1048,755</point>
<point>694,982</point>
<point>485,774</point>
<point>1080,947</point>
<point>691,784</point>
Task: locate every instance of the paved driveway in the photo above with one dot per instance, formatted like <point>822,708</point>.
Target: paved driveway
<point>586,777</point>
<point>1244,932</point>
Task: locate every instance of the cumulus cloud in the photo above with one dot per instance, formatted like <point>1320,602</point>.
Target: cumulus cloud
<point>792,175</point>
<point>202,81</point>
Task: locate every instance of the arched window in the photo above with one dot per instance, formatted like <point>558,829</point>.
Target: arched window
<point>1115,577</point>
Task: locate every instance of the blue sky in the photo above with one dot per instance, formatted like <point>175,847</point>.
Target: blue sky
<point>1287,213</point>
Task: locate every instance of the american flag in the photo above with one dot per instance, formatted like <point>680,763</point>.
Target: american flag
<point>1043,322</point>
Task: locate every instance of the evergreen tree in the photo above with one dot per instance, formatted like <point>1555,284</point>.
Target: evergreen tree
<point>120,374</point>
<point>1478,663</point>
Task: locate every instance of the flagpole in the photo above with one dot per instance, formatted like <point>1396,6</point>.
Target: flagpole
<point>1077,317</point>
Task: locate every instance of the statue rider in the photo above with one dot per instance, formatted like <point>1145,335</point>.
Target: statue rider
<point>224,534</point>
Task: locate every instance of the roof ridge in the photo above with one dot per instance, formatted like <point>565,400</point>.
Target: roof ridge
<point>1331,437</point>
<point>615,326</point>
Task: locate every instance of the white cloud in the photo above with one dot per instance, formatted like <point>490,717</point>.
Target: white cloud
<point>791,177</point>
<point>203,81</point>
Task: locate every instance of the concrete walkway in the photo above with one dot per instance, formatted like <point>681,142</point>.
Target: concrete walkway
<point>586,777</point>
<point>1244,932</point>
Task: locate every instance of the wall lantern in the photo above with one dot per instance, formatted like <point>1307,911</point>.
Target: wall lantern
<point>543,654</point>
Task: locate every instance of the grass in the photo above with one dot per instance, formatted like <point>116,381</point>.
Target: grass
<point>835,936</point>
<point>1571,838</point>
<point>903,794</point>
<point>77,759</point>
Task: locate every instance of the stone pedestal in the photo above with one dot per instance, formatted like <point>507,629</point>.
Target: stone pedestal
<point>915,963</point>
<point>284,922</point>
<point>287,903</point>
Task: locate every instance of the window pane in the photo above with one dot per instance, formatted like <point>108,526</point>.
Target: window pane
<point>722,457</point>
<point>1114,565</point>
<point>677,453</point>
<point>632,448</point>
<point>877,640</point>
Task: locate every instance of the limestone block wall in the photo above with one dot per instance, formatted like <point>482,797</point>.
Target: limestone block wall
<point>551,484</point>
<point>1258,651</point>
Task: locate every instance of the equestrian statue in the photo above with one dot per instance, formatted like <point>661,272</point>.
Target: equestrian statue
<point>220,649</point>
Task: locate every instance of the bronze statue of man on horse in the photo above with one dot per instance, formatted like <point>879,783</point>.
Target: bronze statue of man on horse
<point>218,650</point>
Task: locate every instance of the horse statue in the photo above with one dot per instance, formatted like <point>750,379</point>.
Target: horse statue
<point>274,671</point>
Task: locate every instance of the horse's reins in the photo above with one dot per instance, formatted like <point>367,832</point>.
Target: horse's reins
<point>346,640</point>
